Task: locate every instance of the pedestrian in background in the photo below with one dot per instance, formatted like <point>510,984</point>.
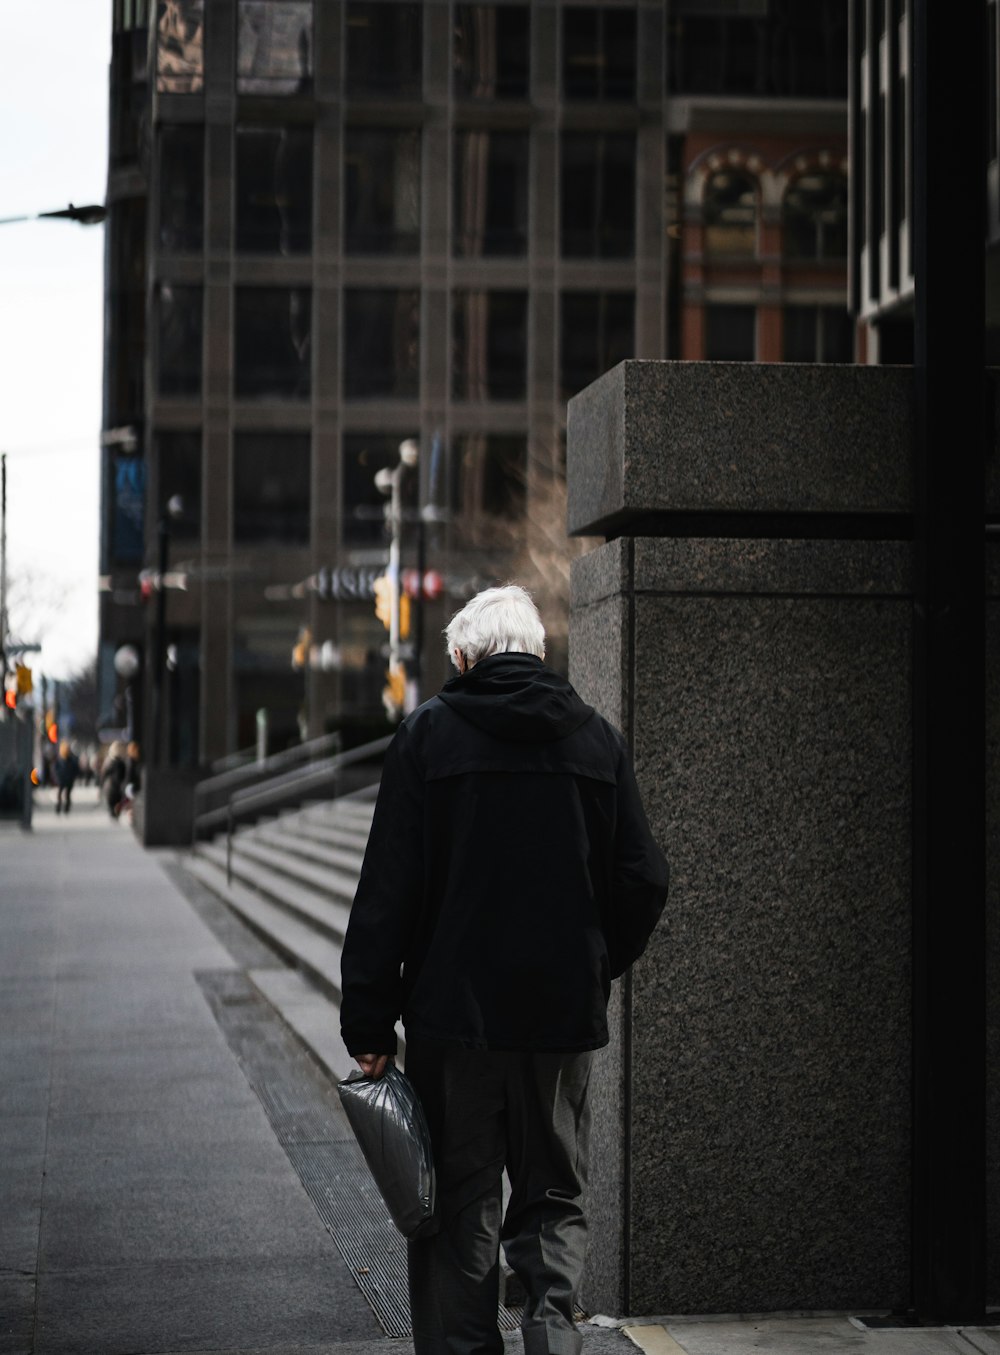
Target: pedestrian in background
<point>65,770</point>
<point>510,875</point>
<point>113,777</point>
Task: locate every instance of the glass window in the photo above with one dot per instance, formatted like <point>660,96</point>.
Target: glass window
<point>182,189</point>
<point>596,332</point>
<point>381,191</point>
<point>274,53</point>
<point>599,53</point>
<point>271,488</point>
<point>274,194</point>
<point>491,52</point>
<point>179,346</point>
<point>784,50</point>
<point>273,342</point>
<point>814,215</point>
<point>489,345</point>
<point>384,50</point>
<point>730,214</point>
<point>491,193</point>
<point>364,506</point>
<point>730,333</point>
<point>489,474</point>
<point>818,334</point>
<point>178,458</point>
<point>598,195</point>
<point>180,44</point>
<point>381,342</point>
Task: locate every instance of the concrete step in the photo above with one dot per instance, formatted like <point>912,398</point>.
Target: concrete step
<point>315,953</point>
<point>316,849</point>
<point>332,835</point>
<point>325,913</point>
<point>285,860</point>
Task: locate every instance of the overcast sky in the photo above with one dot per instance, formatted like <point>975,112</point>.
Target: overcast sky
<point>53,148</point>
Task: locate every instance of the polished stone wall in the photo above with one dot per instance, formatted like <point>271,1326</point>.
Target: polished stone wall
<point>753,1112</point>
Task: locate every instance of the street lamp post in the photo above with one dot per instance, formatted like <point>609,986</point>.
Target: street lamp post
<point>389,481</point>
<point>173,510</point>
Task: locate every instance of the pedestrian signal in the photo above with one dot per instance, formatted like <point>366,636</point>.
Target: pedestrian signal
<point>383,600</point>
<point>24,687</point>
<point>300,650</point>
<point>404,616</point>
<point>394,692</point>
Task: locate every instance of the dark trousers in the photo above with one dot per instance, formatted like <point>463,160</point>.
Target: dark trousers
<point>527,1112</point>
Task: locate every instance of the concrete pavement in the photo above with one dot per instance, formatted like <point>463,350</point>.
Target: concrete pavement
<point>148,1197</point>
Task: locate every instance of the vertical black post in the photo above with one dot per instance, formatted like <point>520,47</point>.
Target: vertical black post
<point>160,641</point>
<point>949,1125</point>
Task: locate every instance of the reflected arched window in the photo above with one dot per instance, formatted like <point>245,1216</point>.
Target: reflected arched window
<point>814,215</point>
<point>730,213</point>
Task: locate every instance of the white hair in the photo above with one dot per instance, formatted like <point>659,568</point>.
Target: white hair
<point>496,621</point>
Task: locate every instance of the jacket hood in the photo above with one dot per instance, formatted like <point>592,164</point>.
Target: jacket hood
<point>514,696</point>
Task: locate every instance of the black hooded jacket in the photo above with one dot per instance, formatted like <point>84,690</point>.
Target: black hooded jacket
<point>510,874</point>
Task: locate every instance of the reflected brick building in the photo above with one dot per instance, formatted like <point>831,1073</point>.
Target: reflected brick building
<point>340,224</point>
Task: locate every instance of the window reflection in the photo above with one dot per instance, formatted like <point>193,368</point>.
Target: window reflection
<point>598,195</point>
<point>381,191</point>
<point>596,332</point>
<point>179,340</point>
<point>491,51</point>
<point>271,488</point>
<point>489,345</point>
<point>730,333</point>
<point>273,348</point>
<point>599,53</point>
<point>814,215</point>
<point>274,190</point>
<point>381,342</point>
<point>180,40</point>
<point>730,213</point>
<point>182,188</point>
<point>384,50</point>
<point>491,193</point>
<point>178,461</point>
<point>274,51</point>
<point>818,334</point>
<point>364,506</point>
<point>489,474</point>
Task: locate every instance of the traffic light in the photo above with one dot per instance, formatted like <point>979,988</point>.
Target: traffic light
<point>404,616</point>
<point>383,600</point>
<point>10,698</point>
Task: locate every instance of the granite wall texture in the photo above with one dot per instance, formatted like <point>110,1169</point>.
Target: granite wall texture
<point>763,1133</point>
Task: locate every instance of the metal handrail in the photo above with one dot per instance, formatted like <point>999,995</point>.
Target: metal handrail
<point>294,787</point>
<point>264,770</point>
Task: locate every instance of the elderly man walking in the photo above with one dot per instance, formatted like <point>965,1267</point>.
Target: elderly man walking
<point>509,877</point>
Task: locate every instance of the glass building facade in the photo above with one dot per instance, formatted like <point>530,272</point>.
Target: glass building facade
<point>338,225</point>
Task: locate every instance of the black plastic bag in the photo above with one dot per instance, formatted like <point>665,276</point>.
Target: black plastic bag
<point>389,1124</point>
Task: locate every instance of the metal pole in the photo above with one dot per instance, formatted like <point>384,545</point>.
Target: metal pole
<point>394,528</point>
<point>159,640</point>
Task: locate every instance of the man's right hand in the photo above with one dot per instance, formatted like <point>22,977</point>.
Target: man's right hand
<point>372,1065</point>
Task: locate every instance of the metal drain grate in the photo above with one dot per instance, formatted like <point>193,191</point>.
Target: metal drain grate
<point>304,1111</point>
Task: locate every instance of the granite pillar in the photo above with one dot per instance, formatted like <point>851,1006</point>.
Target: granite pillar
<point>748,626</point>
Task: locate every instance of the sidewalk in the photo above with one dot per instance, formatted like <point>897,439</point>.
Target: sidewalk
<point>154,1196</point>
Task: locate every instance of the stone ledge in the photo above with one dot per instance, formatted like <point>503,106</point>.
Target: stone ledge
<point>731,437</point>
